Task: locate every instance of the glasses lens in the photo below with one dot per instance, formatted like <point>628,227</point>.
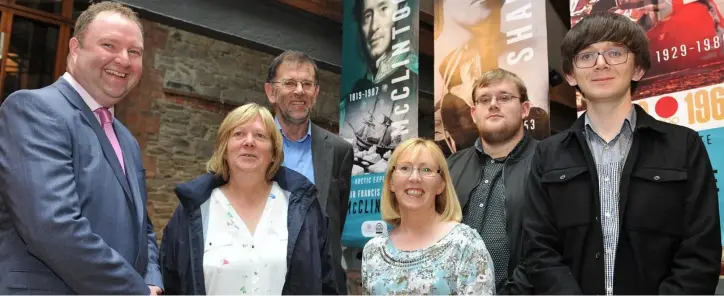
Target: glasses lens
<point>613,56</point>
<point>616,56</point>
<point>586,60</point>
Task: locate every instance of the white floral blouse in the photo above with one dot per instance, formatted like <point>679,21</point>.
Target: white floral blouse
<point>458,263</point>
<point>237,262</point>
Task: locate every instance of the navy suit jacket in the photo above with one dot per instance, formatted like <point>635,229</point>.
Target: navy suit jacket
<point>70,220</point>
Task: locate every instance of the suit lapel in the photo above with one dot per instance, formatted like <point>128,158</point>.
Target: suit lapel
<point>74,98</point>
<point>322,156</point>
<point>136,200</point>
<point>131,169</point>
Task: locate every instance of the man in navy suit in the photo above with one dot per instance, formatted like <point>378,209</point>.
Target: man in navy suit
<point>72,207</point>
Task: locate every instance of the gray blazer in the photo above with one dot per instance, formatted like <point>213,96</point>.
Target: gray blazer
<point>332,158</point>
<point>70,220</point>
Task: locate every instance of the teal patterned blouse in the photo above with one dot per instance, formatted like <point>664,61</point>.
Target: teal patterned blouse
<point>458,264</point>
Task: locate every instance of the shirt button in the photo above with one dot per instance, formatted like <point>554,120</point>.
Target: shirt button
<point>605,147</point>
<point>481,205</point>
<point>608,251</point>
<point>608,215</point>
<point>492,161</point>
<point>486,181</point>
<point>598,255</point>
<point>606,179</point>
<point>609,290</point>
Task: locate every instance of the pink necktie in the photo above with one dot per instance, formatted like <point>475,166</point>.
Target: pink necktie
<point>107,122</point>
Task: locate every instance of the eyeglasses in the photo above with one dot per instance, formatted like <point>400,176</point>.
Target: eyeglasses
<point>291,84</point>
<point>485,100</point>
<point>613,56</point>
<point>406,170</point>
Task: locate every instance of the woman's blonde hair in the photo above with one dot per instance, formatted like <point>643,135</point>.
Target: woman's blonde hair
<point>240,116</point>
<point>446,204</point>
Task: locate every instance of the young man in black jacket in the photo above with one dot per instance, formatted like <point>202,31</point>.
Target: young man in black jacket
<point>620,203</point>
<point>488,176</point>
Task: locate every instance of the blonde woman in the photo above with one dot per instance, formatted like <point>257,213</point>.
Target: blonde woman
<point>428,250</point>
<point>249,226</point>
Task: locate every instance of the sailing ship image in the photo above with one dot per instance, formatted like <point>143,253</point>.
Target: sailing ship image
<point>374,141</point>
<point>367,135</point>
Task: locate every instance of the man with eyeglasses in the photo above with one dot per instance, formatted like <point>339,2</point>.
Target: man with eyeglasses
<point>489,175</point>
<point>620,203</point>
<point>324,158</point>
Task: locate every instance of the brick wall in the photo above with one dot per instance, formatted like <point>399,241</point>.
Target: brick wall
<point>190,83</point>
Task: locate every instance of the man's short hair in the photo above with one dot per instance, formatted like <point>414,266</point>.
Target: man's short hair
<point>85,18</point>
<point>291,57</point>
<point>499,75</point>
<point>605,26</point>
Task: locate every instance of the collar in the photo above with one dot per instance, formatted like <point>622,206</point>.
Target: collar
<point>92,104</point>
<point>513,153</point>
<point>643,121</point>
<point>195,192</point>
<point>309,129</point>
<point>630,118</point>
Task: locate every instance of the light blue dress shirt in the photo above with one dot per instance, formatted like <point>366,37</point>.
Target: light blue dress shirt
<point>298,154</point>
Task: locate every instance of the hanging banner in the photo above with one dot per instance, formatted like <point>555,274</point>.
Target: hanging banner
<point>685,85</point>
<point>472,37</point>
<point>378,107</point>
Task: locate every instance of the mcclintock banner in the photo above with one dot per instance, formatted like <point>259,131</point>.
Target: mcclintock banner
<point>378,105</point>
<point>685,85</point>
<point>472,37</point>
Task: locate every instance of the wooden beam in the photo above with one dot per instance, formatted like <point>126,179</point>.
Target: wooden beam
<point>427,18</point>
<point>427,40</point>
<point>334,9</point>
<point>563,11</point>
<point>325,8</point>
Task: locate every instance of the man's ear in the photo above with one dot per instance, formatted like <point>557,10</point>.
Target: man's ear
<point>525,109</point>
<point>73,46</point>
<point>638,73</point>
<point>571,80</point>
<point>269,90</point>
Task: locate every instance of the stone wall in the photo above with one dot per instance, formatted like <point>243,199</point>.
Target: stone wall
<point>190,83</point>
<point>230,73</point>
<point>186,141</point>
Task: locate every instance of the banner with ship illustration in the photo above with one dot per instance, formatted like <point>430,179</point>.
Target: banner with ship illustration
<point>378,104</point>
<point>472,37</point>
<point>685,85</point>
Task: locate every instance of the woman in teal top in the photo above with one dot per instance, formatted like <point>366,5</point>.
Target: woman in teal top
<point>428,250</point>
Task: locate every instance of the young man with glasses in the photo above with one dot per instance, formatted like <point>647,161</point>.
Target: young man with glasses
<point>620,203</point>
<point>488,176</point>
<point>324,158</point>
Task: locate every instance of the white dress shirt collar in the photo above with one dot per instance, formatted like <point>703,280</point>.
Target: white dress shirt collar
<point>92,104</point>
